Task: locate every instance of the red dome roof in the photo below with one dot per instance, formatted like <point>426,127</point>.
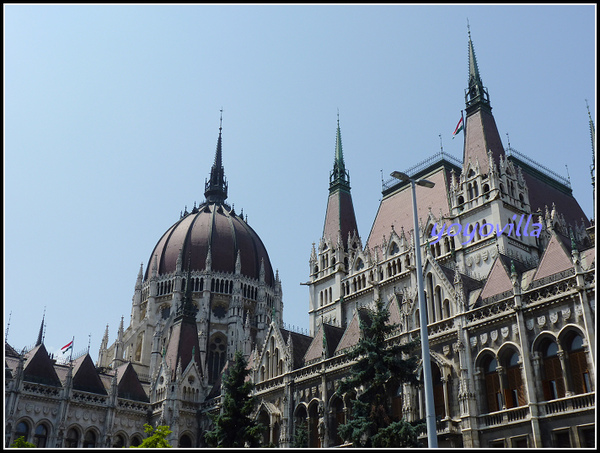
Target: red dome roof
<point>218,226</point>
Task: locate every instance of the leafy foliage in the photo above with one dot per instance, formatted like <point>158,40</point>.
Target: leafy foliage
<point>20,442</point>
<point>234,426</point>
<point>380,369</point>
<point>157,438</point>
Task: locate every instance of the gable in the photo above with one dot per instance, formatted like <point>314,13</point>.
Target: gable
<point>40,368</point>
<point>497,282</point>
<point>554,260</point>
<point>129,386</point>
<point>86,378</point>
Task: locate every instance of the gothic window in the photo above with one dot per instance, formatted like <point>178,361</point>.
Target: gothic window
<point>338,419</point>
<point>41,436</point>
<point>359,264</point>
<point>216,357</point>
<point>394,249</point>
<point>22,431</point>
<point>89,441</point>
<point>165,311</point>
<point>119,441</point>
<point>438,391</point>
<point>553,384</point>
<point>578,366</point>
<point>470,191</point>
<point>446,308</point>
<point>515,391</point>
<point>185,441</point>
<point>461,200</point>
<point>72,439</point>
<point>475,189</point>
<point>135,441</point>
<point>486,190</point>
<point>492,384</point>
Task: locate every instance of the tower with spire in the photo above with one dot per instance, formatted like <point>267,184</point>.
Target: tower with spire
<point>329,262</point>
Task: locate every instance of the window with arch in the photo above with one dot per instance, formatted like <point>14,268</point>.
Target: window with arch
<point>492,384</point>
<point>72,438</point>
<point>216,356</point>
<point>185,441</point>
<point>89,441</point>
<point>578,365</point>
<point>40,437</point>
<point>136,440</point>
<point>553,384</point>
<point>22,430</point>
<point>394,249</point>
<point>119,441</point>
<point>438,391</point>
<point>515,390</point>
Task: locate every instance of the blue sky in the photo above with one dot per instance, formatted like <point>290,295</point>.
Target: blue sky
<point>111,118</point>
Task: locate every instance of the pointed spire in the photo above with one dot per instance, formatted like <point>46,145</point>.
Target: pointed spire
<point>476,93</point>
<point>216,187</point>
<point>40,338</point>
<point>339,177</point>
<point>593,165</point>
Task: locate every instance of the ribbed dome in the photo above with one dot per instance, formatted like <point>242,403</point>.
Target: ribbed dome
<point>218,227</point>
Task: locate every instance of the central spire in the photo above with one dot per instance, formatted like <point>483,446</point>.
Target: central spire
<point>476,94</point>
<point>216,188</point>
<point>339,178</point>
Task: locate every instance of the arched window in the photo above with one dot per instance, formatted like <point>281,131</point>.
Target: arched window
<point>438,391</point>
<point>492,384</point>
<point>515,391</point>
<point>216,357</point>
<point>41,436</point>
<point>72,439</point>
<point>136,440</point>
<point>553,384</point>
<point>578,366</point>
<point>185,441</point>
<point>89,441</point>
<point>22,430</point>
<point>119,441</point>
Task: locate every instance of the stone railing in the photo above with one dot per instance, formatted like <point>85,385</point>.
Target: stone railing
<point>504,417</point>
<point>569,404</point>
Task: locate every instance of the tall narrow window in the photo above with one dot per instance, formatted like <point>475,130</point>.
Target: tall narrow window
<point>578,365</point>
<point>22,431</point>
<point>72,439</point>
<point>41,436</point>
<point>492,385</point>
<point>553,383</point>
<point>515,392</point>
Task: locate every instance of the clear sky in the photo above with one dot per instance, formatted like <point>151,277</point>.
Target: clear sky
<point>111,118</point>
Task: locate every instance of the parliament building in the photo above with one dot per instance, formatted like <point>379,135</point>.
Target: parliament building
<point>510,314</point>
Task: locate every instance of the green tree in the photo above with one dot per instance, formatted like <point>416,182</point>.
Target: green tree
<point>157,438</point>
<point>301,436</point>
<point>379,369</point>
<point>234,426</point>
<point>20,442</point>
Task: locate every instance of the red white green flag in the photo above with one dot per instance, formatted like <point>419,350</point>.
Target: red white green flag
<point>459,126</point>
<point>66,347</point>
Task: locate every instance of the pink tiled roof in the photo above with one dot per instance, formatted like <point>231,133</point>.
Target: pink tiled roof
<point>554,260</point>
<point>397,208</point>
<point>498,280</point>
<point>481,135</point>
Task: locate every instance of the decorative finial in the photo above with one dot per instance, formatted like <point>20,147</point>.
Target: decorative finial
<point>468,28</point>
<point>221,120</point>
<point>508,139</point>
<point>441,146</point>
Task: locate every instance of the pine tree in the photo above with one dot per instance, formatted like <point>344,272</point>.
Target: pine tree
<point>301,436</point>
<point>234,426</point>
<point>380,368</point>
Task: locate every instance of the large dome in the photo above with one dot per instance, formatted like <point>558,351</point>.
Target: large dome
<point>217,227</point>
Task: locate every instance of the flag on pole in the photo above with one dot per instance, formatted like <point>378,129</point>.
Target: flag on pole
<point>459,126</point>
<point>68,346</point>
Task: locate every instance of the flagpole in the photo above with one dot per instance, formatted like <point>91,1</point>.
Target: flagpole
<point>72,343</point>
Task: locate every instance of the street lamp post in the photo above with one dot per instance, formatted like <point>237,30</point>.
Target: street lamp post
<point>427,380</point>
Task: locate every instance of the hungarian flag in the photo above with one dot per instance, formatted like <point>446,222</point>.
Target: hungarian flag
<point>459,127</point>
<point>66,347</point>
